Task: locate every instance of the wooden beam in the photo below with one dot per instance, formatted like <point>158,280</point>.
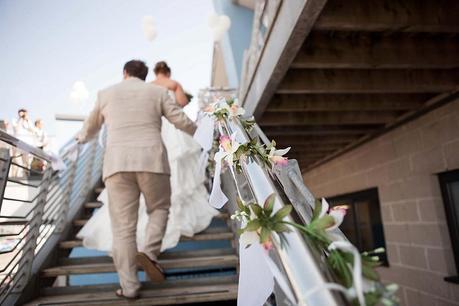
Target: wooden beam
<point>430,105</point>
<point>328,118</point>
<point>374,50</point>
<point>304,148</point>
<point>294,21</point>
<point>345,102</point>
<point>313,139</point>
<point>300,81</point>
<point>275,132</point>
<point>440,16</point>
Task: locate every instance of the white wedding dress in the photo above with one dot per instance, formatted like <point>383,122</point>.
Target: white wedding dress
<point>190,210</point>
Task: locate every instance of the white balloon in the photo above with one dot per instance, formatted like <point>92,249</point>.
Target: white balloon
<point>224,21</point>
<point>218,34</point>
<point>149,32</point>
<point>148,20</point>
<point>79,92</point>
<point>213,20</point>
<point>150,35</point>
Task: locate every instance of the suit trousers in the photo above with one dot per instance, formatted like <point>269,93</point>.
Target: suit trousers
<point>124,190</point>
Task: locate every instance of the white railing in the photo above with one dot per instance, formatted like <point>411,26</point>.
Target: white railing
<point>297,259</point>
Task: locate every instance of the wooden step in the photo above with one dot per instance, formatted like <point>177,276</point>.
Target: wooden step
<point>82,222</point>
<point>210,291</point>
<point>166,255</point>
<point>90,205</point>
<point>224,261</point>
<point>226,235</point>
<point>168,283</point>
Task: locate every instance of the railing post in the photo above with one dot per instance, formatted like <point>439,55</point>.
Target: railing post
<point>89,166</point>
<point>68,188</point>
<point>33,232</point>
<point>5,162</point>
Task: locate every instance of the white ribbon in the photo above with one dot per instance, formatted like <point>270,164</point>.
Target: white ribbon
<point>280,279</point>
<point>73,152</point>
<point>57,163</point>
<point>256,282</point>
<point>217,198</point>
<point>204,134</point>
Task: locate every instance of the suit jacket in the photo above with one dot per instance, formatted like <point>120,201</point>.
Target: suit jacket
<point>132,111</point>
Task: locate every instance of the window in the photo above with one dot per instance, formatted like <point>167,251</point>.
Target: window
<point>362,224</point>
<point>449,184</point>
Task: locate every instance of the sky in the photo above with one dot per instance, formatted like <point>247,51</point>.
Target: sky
<point>48,45</point>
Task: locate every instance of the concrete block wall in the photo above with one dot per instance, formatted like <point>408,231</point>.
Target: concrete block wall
<point>403,165</point>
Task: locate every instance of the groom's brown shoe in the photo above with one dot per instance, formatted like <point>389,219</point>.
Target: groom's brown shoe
<point>152,268</point>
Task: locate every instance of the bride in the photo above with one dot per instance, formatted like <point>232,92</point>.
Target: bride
<point>190,211</point>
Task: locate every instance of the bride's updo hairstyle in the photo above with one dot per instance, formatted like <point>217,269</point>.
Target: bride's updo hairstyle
<point>162,67</point>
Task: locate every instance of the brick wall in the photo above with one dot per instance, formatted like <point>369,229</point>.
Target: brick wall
<point>403,164</point>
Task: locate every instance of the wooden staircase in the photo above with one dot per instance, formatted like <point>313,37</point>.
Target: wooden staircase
<point>201,269</point>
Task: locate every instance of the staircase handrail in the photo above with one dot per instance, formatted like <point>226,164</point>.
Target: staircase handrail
<point>35,208</point>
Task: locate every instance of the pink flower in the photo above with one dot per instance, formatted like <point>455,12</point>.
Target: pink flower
<point>209,108</point>
<point>228,146</point>
<point>225,142</point>
<point>276,156</point>
<point>279,160</point>
<point>268,245</point>
<point>338,213</point>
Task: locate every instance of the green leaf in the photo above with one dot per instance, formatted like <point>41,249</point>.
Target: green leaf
<point>265,235</point>
<point>323,223</point>
<point>370,273</point>
<point>253,225</point>
<point>341,268</point>
<point>269,204</point>
<point>282,213</point>
<point>281,227</point>
<point>257,210</point>
<point>316,210</point>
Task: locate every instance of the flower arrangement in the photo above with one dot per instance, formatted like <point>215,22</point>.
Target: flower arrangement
<point>356,273</point>
<point>228,109</point>
<point>233,152</point>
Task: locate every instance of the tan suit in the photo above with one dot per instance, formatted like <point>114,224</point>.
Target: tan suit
<point>135,162</point>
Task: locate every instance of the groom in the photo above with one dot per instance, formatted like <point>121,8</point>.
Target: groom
<point>135,162</point>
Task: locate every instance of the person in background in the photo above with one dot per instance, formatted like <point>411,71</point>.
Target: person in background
<point>40,135</point>
<point>24,131</point>
<point>6,127</point>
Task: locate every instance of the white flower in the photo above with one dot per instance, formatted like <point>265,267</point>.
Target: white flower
<point>228,146</point>
<point>234,110</point>
<point>337,212</point>
<point>276,156</point>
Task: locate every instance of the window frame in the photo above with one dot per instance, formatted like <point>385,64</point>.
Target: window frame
<point>446,178</point>
<point>362,195</point>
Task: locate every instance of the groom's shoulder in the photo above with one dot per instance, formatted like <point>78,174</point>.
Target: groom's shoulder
<point>156,90</point>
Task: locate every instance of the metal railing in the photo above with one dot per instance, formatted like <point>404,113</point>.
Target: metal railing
<point>36,200</point>
<point>299,261</point>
